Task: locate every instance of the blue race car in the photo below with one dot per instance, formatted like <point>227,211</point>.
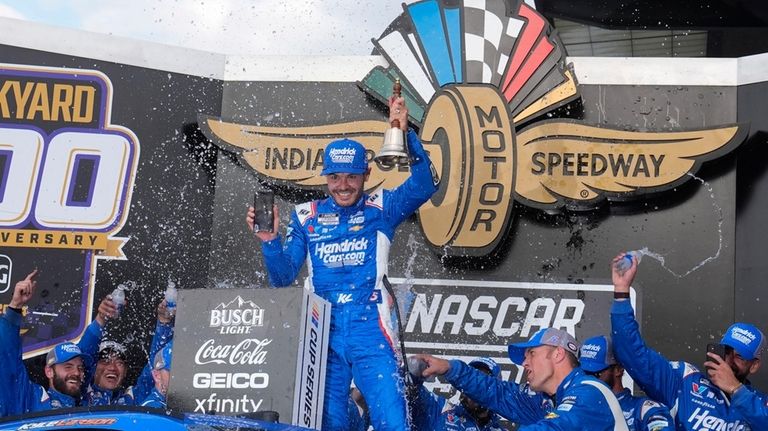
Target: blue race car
<point>128,418</point>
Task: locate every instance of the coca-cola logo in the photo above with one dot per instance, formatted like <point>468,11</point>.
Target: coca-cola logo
<point>250,351</point>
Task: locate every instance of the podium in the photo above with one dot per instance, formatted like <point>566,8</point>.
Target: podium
<point>244,351</point>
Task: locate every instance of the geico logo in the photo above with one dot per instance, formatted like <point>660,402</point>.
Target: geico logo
<point>230,380</point>
<point>251,317</point>
<point>511,316</point>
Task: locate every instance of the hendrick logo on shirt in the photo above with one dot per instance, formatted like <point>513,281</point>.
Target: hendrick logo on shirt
<point>702,419</point>
<point>350,252</point>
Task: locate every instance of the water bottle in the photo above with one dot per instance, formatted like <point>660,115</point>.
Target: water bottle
<point>170,299</point>
<point>416,366</point>
<point>626,262</point>
<point>118,297</point>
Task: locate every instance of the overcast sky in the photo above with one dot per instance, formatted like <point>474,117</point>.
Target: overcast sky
<point>245,27</point>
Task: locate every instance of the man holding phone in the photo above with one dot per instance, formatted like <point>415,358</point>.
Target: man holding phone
<point>719,399</point>
<point>347,238</point>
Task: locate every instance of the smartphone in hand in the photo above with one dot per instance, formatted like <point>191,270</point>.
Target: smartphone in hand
<point>716,348</point>
<point>263,205</point>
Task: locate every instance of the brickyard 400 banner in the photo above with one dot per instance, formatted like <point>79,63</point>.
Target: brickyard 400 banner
<point>66,176</point>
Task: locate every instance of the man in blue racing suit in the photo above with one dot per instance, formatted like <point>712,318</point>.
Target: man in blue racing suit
<point>641,413</point>
<point>720,399</point>
<point>559,395</point>
<point>65,365</point>
<point>345,241</point>
<point>435,413</point>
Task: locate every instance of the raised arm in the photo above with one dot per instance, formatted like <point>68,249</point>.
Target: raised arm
<point>655,375</point>
<point>510,400</point>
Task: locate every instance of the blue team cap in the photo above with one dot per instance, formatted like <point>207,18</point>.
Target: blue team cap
<point>344,156</point>
<point>544,337</point>
<point>746,340</point>
<point>163,358</point>
<point>488,364</point>
<point>597,354</point>
<point>64,352</point>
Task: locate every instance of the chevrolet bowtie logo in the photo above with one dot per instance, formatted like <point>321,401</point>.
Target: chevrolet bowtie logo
<point>467,109</point>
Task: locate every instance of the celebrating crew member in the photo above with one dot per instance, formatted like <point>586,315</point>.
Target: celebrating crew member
<point>347,237</point>
<point>558,396</point>
<point>433,412</point>
<point>105,379</point>
<point>641,413</point>
<point>65,364</point>
<point>161,375</point>
<point>720,399</point>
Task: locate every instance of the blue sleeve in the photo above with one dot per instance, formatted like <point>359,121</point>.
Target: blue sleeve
<point>89,344</point>
<point>654,416</point>
<point>426,410</point>
<point>584,408</point>
<point>23,396</point>
<point>284,263</point>
<point>406,198</point>
<point>155,399</point>
<point>648,368</point>
<point>145,382</point>
<point>508,399</point>
<point>752,406</point>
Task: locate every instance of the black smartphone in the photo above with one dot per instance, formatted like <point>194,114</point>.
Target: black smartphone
<point>263,205</point>
<point>716,348</point>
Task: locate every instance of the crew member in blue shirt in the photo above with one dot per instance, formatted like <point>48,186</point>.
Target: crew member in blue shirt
<point>559,395</point>
<point>720,398</point>
<point>641,413</point>
<point>435,413</point>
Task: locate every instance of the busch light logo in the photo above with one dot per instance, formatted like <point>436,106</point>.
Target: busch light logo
<point>342,155</point>
<point>350,252</point>
<point>236,317</point>
<point>5,273</point>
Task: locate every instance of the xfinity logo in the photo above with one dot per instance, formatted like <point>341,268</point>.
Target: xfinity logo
<point>236,317</point>
<point>5,273</point>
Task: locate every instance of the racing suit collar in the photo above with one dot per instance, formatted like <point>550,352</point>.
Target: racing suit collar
<point>624,393</point>
<point>566,383</point>
<point>64,399</point>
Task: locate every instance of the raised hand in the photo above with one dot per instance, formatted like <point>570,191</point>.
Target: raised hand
<point>622,280</point>
<point>24,290</point>
<point>250,218</point>
<point>435,366</point>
